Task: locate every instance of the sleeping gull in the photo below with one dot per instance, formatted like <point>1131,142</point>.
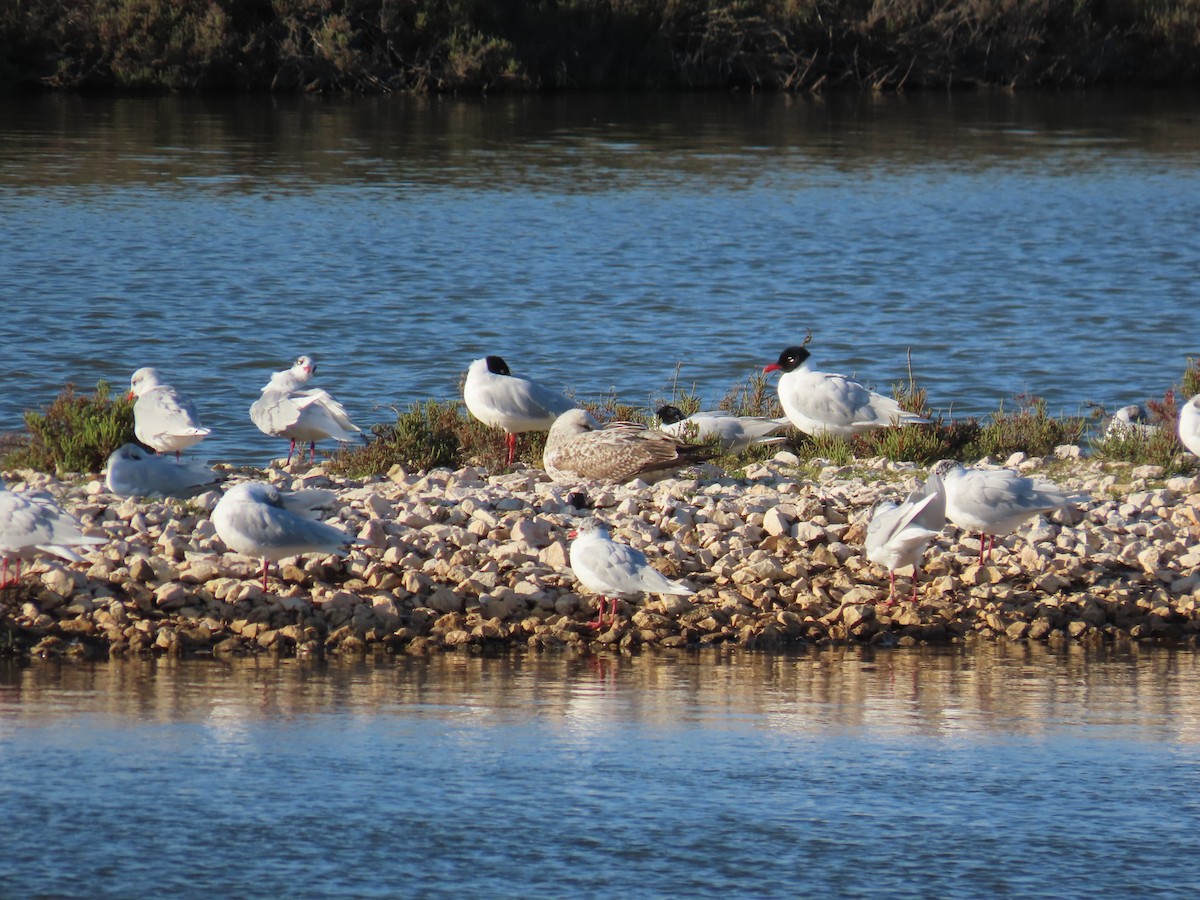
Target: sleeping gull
<point>736,433</point>
<point>898,534</point>
<point>1130,421</point>
<point>132,472</point>
<point>614,570</point>
<point>163,418</point>
<point>1189,425</point>
<point>258,520</point>
<point>498,398</point>
<point>579,449</point>
<point>825,403</point>
<point>286,410</point>
<point>995,501</point>
<point>34,523</point>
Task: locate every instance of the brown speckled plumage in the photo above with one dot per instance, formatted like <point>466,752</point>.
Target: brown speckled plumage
<point>579,449</point>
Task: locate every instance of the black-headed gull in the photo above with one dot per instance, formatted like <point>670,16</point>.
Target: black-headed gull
<point>32,524</point>
<point>163,418</point>
<point>500,399</point>
<point>133,472</point>
<point>736,433</point>
<point>615,570</point>
<point>578,448</point>
<point>898,533</point>
<point>994,502</point>
<point>1189,425</point>
<point>259,520</point>
<point>825,403</point>
<point>285,410</point>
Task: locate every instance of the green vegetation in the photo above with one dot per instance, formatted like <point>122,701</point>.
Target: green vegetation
<point>485,45</point>
<point>75,433</point>
<point>1159,444</point>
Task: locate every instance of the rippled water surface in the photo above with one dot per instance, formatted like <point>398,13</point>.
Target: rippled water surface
<point>1024,243</point>
<point>1005,771</point>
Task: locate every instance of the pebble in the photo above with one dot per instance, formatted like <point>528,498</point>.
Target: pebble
<point>463,560</point>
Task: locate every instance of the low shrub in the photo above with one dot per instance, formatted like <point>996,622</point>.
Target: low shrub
<point>75,433</point>
<point>1029,429</point>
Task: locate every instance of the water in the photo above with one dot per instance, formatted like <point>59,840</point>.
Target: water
<point>995,771</point>
<point>1011,243</point>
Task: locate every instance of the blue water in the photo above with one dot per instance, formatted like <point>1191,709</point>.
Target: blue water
<point>1010,244</point>
<point>996,771</point>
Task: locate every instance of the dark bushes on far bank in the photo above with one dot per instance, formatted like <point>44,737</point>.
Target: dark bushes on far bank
<point>371,46</point>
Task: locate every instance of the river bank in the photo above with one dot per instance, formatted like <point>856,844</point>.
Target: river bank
<point>463,560</point>
<point>372,47</point>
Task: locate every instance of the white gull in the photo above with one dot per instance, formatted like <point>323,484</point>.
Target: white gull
<point>994,502</point>
<point>133,472</point>
<point>33,524</point>
<point>258,520</point>
<point>898,533</point>
<point>500,399</point>
<point>164,419</point>
<point>826,403</point>
<point>736,433</point>
<point>615,570</point>
<point>286,410</point>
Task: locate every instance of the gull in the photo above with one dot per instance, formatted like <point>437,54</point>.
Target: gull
<point>256,519</point>
<point>1130,421</point>
<point>736,433</point>
<point>285,410</point>
<point>1189,425</point>
<point>500,399</point>
<point>898,533</point>
<point>995,501</point>
<point>615,570</point>
<point>163,418</point>
<point>34,523</point>
<point>825,403</point>
<point>578,448</point>
<point>132,472</point>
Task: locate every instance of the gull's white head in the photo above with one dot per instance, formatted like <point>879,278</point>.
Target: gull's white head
<point>591,528</point>
<point>304,367</point>
<point>143,380</point>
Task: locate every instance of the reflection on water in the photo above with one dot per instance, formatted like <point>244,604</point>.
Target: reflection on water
<point>942,692</point>
<point>837,772</point>
<point>400,238</point>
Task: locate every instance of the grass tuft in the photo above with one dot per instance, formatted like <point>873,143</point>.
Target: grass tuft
<point>75,433</point>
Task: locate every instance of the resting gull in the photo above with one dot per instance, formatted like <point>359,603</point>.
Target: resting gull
<point>615,570</point>
<point>133,472</point>
<point>33,524</point>
<point>736,433</point>
<point>579,449</point>
<point>497,397</point>
<point>826,403</point>
<point>163,418</point>
<point>995,501</point>
<point>258,520</point>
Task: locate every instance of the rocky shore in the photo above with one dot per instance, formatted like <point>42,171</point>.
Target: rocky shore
<point>463,560</point>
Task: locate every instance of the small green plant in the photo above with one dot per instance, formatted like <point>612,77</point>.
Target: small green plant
<point>1157,446</point>
<point>1158,443</point>
<point>425,436</point>
<point>75,433</point>
<point>1030,429</point>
